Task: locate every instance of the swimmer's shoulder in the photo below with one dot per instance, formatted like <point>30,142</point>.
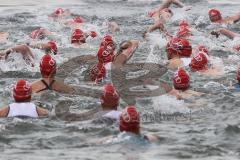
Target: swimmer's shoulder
<point>152,138</point>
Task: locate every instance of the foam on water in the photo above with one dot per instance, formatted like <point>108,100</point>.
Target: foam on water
<point>169,104</point>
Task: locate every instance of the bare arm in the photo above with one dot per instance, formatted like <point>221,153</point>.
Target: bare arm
<point>42,112</point>
<point>4,112</point>
<point>232,19</point>
<point>167,4</point>
<point>62,87</point>
<point>227,33</point>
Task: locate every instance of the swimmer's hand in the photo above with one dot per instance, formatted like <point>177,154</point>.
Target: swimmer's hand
<point>187,8</point>
<point>215,33</point>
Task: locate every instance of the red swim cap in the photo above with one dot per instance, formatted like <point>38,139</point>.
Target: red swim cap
<point>110,97</point>
<point>22,91</point>
<point>237,48</point>
<point>214,15</point>
<point>78,19</point>
<point>183,32</point>
<point>108,41</point>
<point>37,34</point>
<point>53,46</point>
<point>98,72</point>
<point>238,75</point>
<point>59,11</point>
<point>130,120</point>
<point>180,47</point>
<point>93,34</point>
<point>199,62</point>
<point>105,55</point>
<point>181,80</point>
<point>203,48</point>
<point>78,36</point>
<point>183,23</point>
<point>48,66</point>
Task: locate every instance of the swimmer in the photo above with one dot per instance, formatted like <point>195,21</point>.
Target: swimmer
<point>108,107</point>
<point>179,52</point>
<point>60,13</point>
<point>129,123</point>
<point>111,59</point>
<point>161,16</point>
<point>40,33</point>
<point>181,83</point>
<point>201,63</point>
<point>184,30</point>
<point>48,68</point>
<point>215,16</point>
<point>76,22</point>
<point>50,47</point>
<point>229,34</point>
<point>79,37</point>
<point>24,50</point>
<point>3,37</point>
<point>23,107</point>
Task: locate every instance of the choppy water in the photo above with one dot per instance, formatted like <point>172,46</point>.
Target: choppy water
<point>210,130</point>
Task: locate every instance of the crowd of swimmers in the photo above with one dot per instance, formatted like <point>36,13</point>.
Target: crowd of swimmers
<point>179,52</point>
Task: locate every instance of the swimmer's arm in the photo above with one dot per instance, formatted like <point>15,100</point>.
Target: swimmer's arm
<point>153,138</point>
<point>167,3</point>
<point>4,112</point>
<point>41,46</point>
<point>232,19</point>
<point>170,90</point>
<point>133,47</point>
<point>42,112</point>
<point>227,33</point>
<point>62,87</point>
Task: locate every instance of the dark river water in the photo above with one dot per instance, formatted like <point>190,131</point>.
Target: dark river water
<point>205,127</point>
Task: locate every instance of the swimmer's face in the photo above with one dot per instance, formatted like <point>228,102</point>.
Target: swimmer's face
<point>214,18</point>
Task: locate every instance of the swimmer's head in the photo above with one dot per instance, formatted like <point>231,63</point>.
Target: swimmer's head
<point>78,19</point>
<point>183,32</point>
<point>48,66</point>
<point>37,34</point>
<point>110,97</point>
<point>53,47</point>
<point>130,120</point>
<point>108,42</point>
<point>214,15</point>
<point>78,36</point>
<point>237,48</point>
<point>178,47</point>
<point>184,23</point>
<point>98,72</point>
<point>22,91</point>
<point>105,55</point>
<point>59,11</point>
<point>199,62</point>
<point>181,80</point>
<point>202,48</point>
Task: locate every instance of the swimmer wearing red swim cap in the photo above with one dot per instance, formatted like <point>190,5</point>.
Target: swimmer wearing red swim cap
<point>23,107</point>
<point>48,69</point>
<point>230,34</point>
<point>215,16</point>
<point>24,50</point>
<point>79,37</point>
<point>49,47</point>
